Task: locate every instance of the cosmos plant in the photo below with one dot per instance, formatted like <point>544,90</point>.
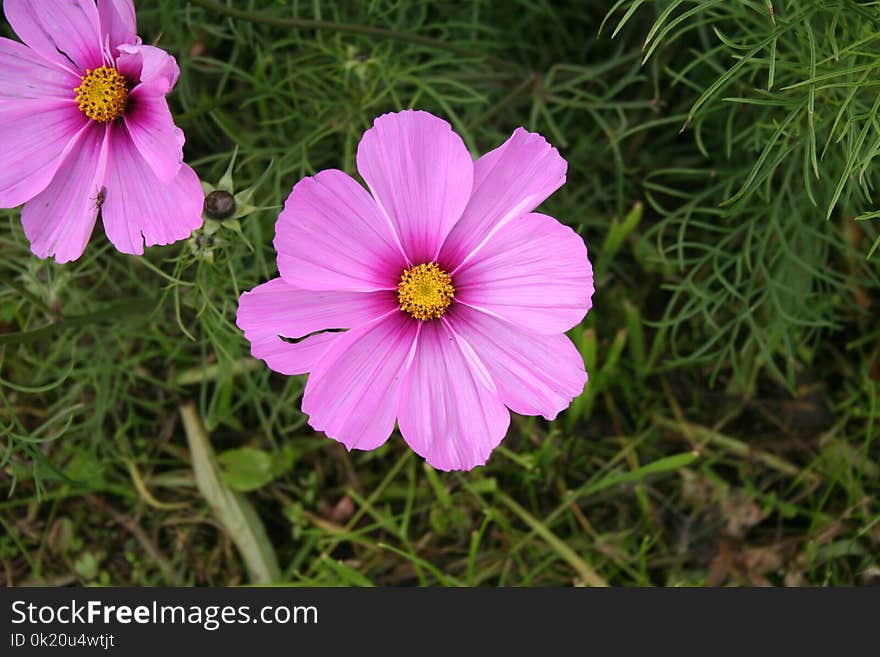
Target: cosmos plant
<point>454,293</point>
<point>85,127</point>
<point>437,301</point>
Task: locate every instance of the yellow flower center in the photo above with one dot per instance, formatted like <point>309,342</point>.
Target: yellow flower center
<point>425,291</point>
<point>102,94</point>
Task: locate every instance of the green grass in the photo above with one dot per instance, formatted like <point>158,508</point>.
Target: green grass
<point>729,432</point>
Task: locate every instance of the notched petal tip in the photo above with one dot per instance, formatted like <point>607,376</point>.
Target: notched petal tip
<point>534,272</point>
<point>509,182</point>
<point>139,209</point>
<point>67,34</point>
<point>448,415</point>
<point>421,175</point>
<point>118,23</point>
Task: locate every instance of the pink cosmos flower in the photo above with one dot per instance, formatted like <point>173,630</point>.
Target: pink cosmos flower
<point>456,296</point>
<point>85,127</point>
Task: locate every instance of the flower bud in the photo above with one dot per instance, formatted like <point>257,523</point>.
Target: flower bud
<point>219,205</point>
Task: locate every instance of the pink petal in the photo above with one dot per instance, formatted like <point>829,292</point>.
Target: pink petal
<point>534,272</point>
<point>277,309</point>
<point>421,174</point>
<point>152,130</point>
<point>65,32</point>
<point>138,207</point>
<point>509,182</point>
<point>24,74</point>
<point>450,412</point>
<point>352,394</point>
<point>331,236</point>
<point>151,67</point>
<point>36,136</point>
<point>118,22</point>
<point>534,374</point>
<point>297,358</point>
<point>60,219</point>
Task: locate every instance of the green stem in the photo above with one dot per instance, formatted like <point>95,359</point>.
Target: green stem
<point>351,28</point>
<point>587,574</point>
<point>111,312</point>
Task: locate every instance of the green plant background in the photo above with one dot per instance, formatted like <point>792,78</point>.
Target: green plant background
<point>722,173</point>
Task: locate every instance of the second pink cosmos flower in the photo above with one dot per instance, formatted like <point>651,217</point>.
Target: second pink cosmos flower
<point>85,127</point>
<point>455,295</point>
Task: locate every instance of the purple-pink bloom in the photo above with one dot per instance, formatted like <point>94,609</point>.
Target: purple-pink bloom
<point>456,296</point>
<point>85,127</point>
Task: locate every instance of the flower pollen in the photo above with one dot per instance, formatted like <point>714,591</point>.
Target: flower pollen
<point>425,291</point>
<point>102,94</point>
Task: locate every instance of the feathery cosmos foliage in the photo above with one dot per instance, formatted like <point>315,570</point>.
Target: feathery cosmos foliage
<point>783,104</point>
<point>85,128</point>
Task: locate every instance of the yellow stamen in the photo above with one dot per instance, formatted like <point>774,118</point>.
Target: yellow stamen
<point>425,291</point>
<point>102,94</point>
